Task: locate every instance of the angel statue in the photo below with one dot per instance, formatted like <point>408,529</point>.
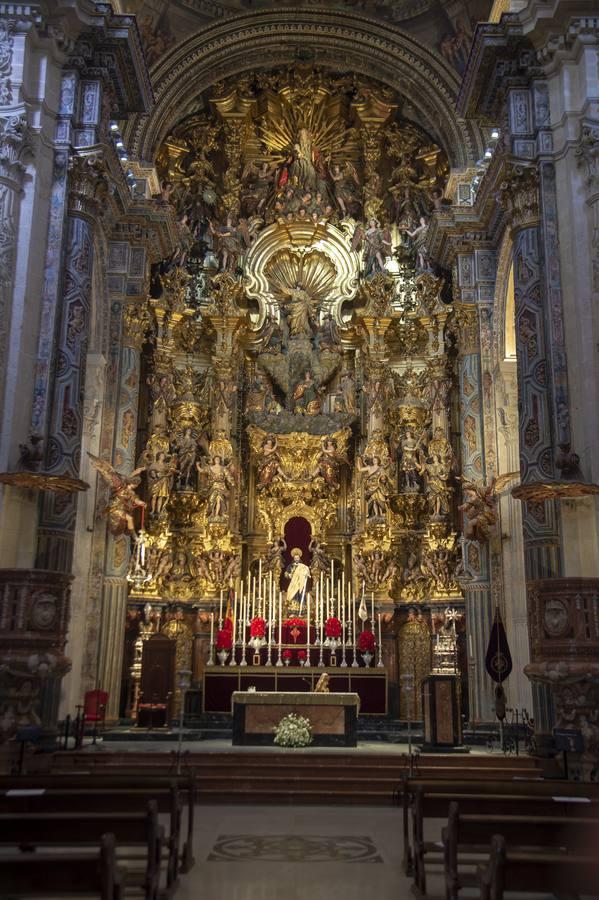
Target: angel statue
<point>480,506</point>
<point>377,487</point>
<point>320,562</point>
<point>124,501</point>
<point>231,242</point>
<point>329,462</point>
<point>376,242</point>
<point>269,466</point>
<point>221,480</point>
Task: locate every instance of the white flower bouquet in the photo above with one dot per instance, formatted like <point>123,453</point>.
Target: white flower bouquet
<point>293,731</point>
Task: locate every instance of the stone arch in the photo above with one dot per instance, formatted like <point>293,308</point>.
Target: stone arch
<point>343,40</point>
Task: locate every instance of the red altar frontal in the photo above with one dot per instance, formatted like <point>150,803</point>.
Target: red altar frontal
<point>221,681</point>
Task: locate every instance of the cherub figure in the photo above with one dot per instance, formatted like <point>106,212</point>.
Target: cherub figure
<point>480,506</point>
<point>124,501</point>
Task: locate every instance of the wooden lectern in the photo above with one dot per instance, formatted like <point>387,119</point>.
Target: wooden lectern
<point>441,712</point>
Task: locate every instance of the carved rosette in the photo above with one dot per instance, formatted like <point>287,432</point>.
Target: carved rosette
<point>519,196</point>
<point>34,615</point>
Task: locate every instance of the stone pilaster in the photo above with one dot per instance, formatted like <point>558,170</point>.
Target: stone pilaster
<point>477,588</point>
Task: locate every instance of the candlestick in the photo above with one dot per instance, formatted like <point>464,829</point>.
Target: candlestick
<point>321,655</point>
<point>355,664</point>
<point>343,659</point>
<point>211,653</point>
<point>220,610</point>
<point>234,631</point>
<point>372,611</point>
<point>269,656</point>
<point>253,598</point>
<point>279,659</point>
<point>307,662</point>
<point>380,660</point>
<point>338,599</point>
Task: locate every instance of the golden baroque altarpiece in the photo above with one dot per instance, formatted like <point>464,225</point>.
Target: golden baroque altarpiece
<point>299,357</point>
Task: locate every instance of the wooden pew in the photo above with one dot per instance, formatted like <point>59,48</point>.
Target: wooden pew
<point>431,799</point>
<point>109,801</point>
<point>35,831</point>
<point>146,785</point>
<point>465,835</point>
<point>555,873</point>
<point>92,874</point>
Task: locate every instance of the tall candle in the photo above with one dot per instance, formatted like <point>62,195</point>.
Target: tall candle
<point>260,573</point>
<point>270,622</point>
<point>338,599</point>
<point>254,599</point>
<point>280,619</point>
<point>342,589</point>
<point>308,629</point>
<point>211,632</point>
<point>241,611</point>
<point>343,618</point>
<point>220,609</point>
<point>372,610</point>
<point>234,618</point>
<point>380,645</point>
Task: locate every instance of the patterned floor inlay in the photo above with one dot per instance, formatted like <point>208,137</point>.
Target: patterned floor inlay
<point>294,848</point>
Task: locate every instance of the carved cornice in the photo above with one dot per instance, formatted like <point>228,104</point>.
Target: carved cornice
<point>267,39</point>
<point>518,195</point>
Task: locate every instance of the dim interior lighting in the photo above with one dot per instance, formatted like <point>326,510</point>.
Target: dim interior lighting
<point>488,153</point>
<point>113,126</point>
<point>123,157</point>
<point>119,144</point>
<point>495,134</point>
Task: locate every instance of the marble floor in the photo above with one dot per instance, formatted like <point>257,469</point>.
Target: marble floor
<point>302,853</point>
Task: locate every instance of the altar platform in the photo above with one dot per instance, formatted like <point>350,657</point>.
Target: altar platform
<point>333,717</point>
<point>220,682</point>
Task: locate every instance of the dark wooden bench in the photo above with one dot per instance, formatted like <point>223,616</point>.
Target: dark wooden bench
<point>555,873</point>
<point>91,874</point>
<point>138,836</point>
<point>466,837</point>
<point>110,801</point>
<point>431,799</point>
<point>145,785</point>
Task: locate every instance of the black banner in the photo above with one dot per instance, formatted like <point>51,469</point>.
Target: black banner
<point>498,660</point>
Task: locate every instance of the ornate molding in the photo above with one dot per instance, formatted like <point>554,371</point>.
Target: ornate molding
<point>268,39</point>
<point>88,184</point>
<point>15,144</point>
<point>587,153</point>
<point>518,195</point>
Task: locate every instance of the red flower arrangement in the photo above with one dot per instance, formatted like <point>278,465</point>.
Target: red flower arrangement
<point>294,622</point>
<point>301,655</point>
<point>286,654</point>
<point>257,627</point>
<point>366,643</point>
<point>332,627</point>
<point>224,639</point>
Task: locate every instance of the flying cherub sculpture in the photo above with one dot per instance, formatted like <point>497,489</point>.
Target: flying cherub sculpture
<point>123,501</point>
<point>480,505</point>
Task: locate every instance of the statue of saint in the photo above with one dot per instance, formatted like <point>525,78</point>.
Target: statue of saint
<point>306,397</point>
<point>297,573</point>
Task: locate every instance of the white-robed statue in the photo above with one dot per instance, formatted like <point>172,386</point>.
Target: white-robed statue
<point>298,573</point>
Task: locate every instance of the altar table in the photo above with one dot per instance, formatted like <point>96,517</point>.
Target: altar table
<point>220,682</point>
<point>334,717</point>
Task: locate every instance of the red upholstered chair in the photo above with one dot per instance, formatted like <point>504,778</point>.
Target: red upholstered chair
<point>95,703</point>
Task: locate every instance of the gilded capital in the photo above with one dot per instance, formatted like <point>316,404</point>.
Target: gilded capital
<point>138,323</point>
<point>518,195</point>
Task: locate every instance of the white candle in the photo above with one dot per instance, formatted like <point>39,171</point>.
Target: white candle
<point>270,622</point>
<point>332,575</point>
<point>342,589</point>
<point>280,620</point>
<point>220,609</point>
<point>234,618</point>
<point>338,599</point>
<point>260,573</point>
<point>470,646</point>
<point>241,610</point>
<point>211,632</point>
<point>254,599</point>
<point>372,610</point>
<point>343,620</point>
<point>380,645</point>
<point>308,632</point>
